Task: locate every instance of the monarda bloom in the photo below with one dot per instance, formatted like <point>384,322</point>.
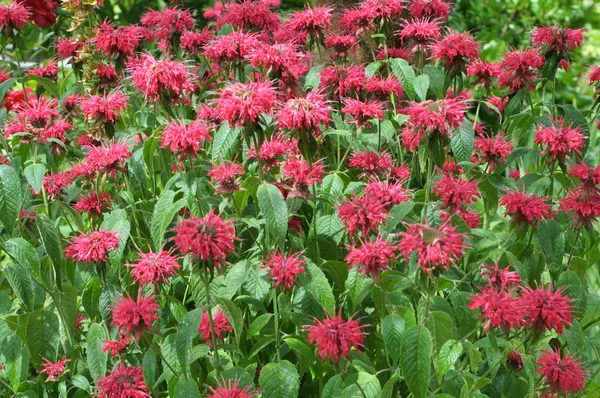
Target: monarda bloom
<point>546,310</point>
<point>519,69</point>
<point>224,176</point>
<point>154,268</point>
<point>185,139</point>
<point>229,389</point>
<point>335,337</point>
<point>49,71</point>
<point>93,204</point>
<point>419,33</point>
<point>390,192</point>
<point>282,60</point>
<point>372,257</point>
<point>54,370</point>
<point>233,47</point>
<point>122,41</point>
<point>362,214</point>
<point>561,375</point>
<point>13,16</point>
<point>362,112</point>
<point>436,248</point>
<point>284,269</point>
<point>193,42</point>
<point>240,103</point>
<point>93,247</point>
<point>116,347</point>
<point>559,141</point>
<point>249,15</point>
<point>484,71</point>
<point>558,39</point>
<point>371,162</point>
<point>342,44</point>
<point>594,76</point>
<point>123,382</point>
<point>209,239</point>
<point>313,21</point>
<point>103,109</point>
<point>305,113</point>
<point>455,192</point>
<point>42,11</point>
<point>499,309</point>
<point>455,50</point>
<point>493,151</point>
<point>429,8</point>
<point>500,279</point>
<point>382,89</point>
<point>301,175</point>
<point>67,47</point>
<point>525,209</point>
<point>54,183</point>
<point>134,316</point>
<point>160,78</point>
<point>221,324</point>
<point>342,80</point>
<point>584,202</point>
<point>168,22</point>
<point>107,159</point>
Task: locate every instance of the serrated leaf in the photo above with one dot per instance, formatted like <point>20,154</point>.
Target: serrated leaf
<point>223,142</point>
<point>300,348</point>
<point>417,348</point>
<point>51,241</point>
<point>43,336</point>
<point>449,353</point>
<point>462,142</point>
<point>257,325</point>
<point>274,209</point>
<point>313,77</point>
<point>392,328</point>
<point>236,275</point>
<point>551,239</point>
<point>34,173</point>
<point>317,284</point>
<point>96,359</point>
<point>116,221</point>
<point>233,314</point>
<point>10,197</point>
<point>90,299</point>
<point>403,71</point>
<point>15,359</point>
<point>441,327</point>
<point>4,86</point>
<point>22,284</point>
<point>81,382</point>
<point>576,289</point>
<point>279,380</point>
<point>421,85</point>
<point>187,388</point>
<point>24,255</point>
<point>437,80</point>
<point>164,211</point>
<point>372,68</point>
<point>369,387</point>
<point>187,330</point>
<point>48,84</point>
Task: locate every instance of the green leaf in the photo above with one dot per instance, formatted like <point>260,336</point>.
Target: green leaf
<point>116,221</point>
<point>313,77</point>
<point>34,173</point>
<point>421,85</point>
<point>437,80</point>
<point>149,366</point>
<point>164,211</point>
<point>48,84</point>
<point>392,328</point>
<point>90,299</point>
<point>15,359</point>
<point>462,142</point>
<point>234,315</point>
<point>552,243</point>
<point>187,330</point>
<point>576,289</point>
<point>187,388</point>
<point>96,359</point>
<point>279,380</point>
<point>10,197</point>
<point>274,209</point>
<point>22,284</point>
<point>403,71</point>
<point>236,275</point>
<point>441,327</point>
<point>43,336</point>
<point>25,255</point>
<point>81,382</point>
<point>300,347</point>
<point>223,144</point>
<point>333,388</point>
<point>257,325</point>
<point>449,353</point>
<point>317,284</point>
<point>369,386</point>
<point>4,86</point>
<point>51,241</point>
<point>372,68</point>
<point>417,348</point>
<point>388,388</point>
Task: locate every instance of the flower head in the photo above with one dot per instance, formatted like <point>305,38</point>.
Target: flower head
<point>168,22</point>
<point>556,38</point>
<point>13,15</point>
<point>93,247</point>
<point>561,375</point>
<point>240,103</point>
<point>362,214</point>
<point>154,268</point>
<point>157,78</point>
<point>123,40</point>
<point>104,109</point>
<point>123,382</point>
<point>584,202</point>
<point>493,150</point>
<point>546,310</point>
<point>498,308</point>
<point>116,347</point>
<point>225,176</point>
<point>284,269</point>
<point>134,316</point>
<point>342,80</point>
<point>48,71</point>
<point>429,8</point>
<point>313,21</point>
<point>419,33</point>
<point>305,113</point>
<point>194,42</point>
<point>185,139</point>
<point>484,71</point>
<point>525,209</point>
<point>371,162</point>
<point>230,389</point>
<point>93,204</point>
<point>248,15</point>
<point>559,140</point>
<point>372,257</point>
<point>232,47</point>
<point>54,370</point>
<point>361,111</point>
<point>42,11</point>
<point>455,191</point>
<point>335,337</point>
<point>455,50</point>
<point>107,159</point>
<point>220,322</point>
<point>520,68</point>
<point>301,175</point>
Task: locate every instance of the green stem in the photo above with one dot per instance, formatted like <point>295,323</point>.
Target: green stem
<point>573,248</point>
<point>213,335</point>
<point>276,316</point>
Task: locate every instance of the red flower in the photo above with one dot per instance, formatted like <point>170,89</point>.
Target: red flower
<point>225,175</point>
<point>305,113</point>
<point>392,193</point>
<point>154,268</point>
<point>525,209</point>
<point>284,269</point>
<point>134,316</point>
<point>456,50</point>
<point>13,15</point>
<point>185,139</point>
<point>301,175</point>
<point>594,75</point>
<point>221,324</point>
<point>392,52</point>
<point>455,191</point>
<point>54,370</point>
<point>209,238</point>
<point>546,310</point>
<point>361,112</point>
<point>168,22</point>
<point>160,78</point>
<point>42,11</point>
<point>282,59</point>
<point>335,338</point>
<point>484,71</point>
<point>584,201</point>
<point>498,278</point>
<point>519,69</point>
<point>123,40</point>
<point>342,44</point>
<point>559,140</point>
<point>313,21</point>
<point>493,150</point>
<point>372,257</point>
<point>515,361</point>
<point>93,204</point>
<point>436,247</point>
<point>420,32</point>
<point>67,47</point>
<point>104,109</point>
<point>193,42</point>
<point>116,347</point>
<point>49,71</point>
<point>54,183</point>
<point>123,382</point>
<point>562,375</point>
<point>383,88</point>
<point>93,247</point>
<point>498,102</point>
<point>232,47</point>
<point>230,390</point>
<point>248,15</point>
<point>273,150</point>
<point>499,309</point>
<point>107,159</point>
<point>342,80</point>
<point>371,162</point>
<point>364,214</point>
<point>240,103</point>
<point>556,38</point>
<point>429,8</point>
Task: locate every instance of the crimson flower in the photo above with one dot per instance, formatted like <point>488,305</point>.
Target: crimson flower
<point>168,22</point>
<point>519,69</point>
<point>248,15</point>
<point>499,309</point>
<point>301,175</point>
<point>361,111</point>
<point>455,50</point>
<point>305,113</point>
<point>429,8</point>
<point>225,176</point>
<point>342,80</point>
<point>437,248</point>
<point>272,151</point>
<point>594,75</point>
<point>284,269</point>
<point>392,193</point>
<point>93,247</point>
<point>498,278</point>
<point>123,382</point>
<point>493,150</point>
<point>123,40</point>
<point>209,238</point>
<point>562,375</point>
<point>382,88</point>
<point>107,159</point>
<point>546,310</point>
<point>362,214</point>
<point>42,11</point>
<point>55,183</point>
<point>559,140</point>
<point>154,268</point>
<point>240,103</point>
<point>230,389</point>
<point>584,202</point>
<point>54,370</point>
<point>556,38</point>
<point>525,209</point>
<point>48,71</point>
<point>313,21</point>
<point>116,347</point>
<point>232,47</point>
<point>419,32</point>
<point>455,191</point>
<point>93,204</point>
<point>372,257</point>
<point>194,42</point>
<point>484,71</point>
<point>13,15</point>
<point>134,316</point>
<point>185,139</point>
<point>157,78</point>
<point>220,322</point>
<point>283,59</point>
<point>371,162</point>
<point>342,44</point>
<point>335,337</point>
<point>104,109</point>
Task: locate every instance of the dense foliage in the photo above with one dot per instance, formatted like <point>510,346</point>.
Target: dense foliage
<point>354,201</point>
